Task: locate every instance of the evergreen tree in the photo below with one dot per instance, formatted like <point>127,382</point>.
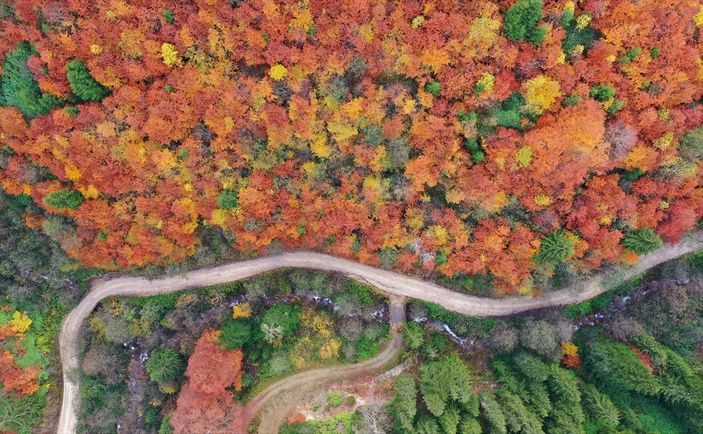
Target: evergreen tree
<point>64,199</point>
<point>19,89</point>
<point>445,378</point>
<point>555,248</point>
<point>449,420</point>
<point>531,366</point>
<point>404,405</point>
<point>413,335</point>
<point>520,20</point>
<point>83,84</point>
<point>601,407</point>
<point>469,426</point>
<point>426,425</point>
<point>164,366</point>
<point>567,414</point>
<point>615,364</point>
<point>493,413</point>
<point>642,241</point>
<point>518,417</point>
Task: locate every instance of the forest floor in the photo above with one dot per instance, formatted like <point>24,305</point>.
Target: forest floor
<point>391,283</point>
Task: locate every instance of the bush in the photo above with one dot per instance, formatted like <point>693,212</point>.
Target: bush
<point>19,89</point>
<point>642,241</point>
<point>64,199</point>
<point>335,399</point>
<point>362,294</point>
<point>235,334</point>
<point>164,366</point>
<point>575,311</point>
<point>366,348</point>
<point>83,84</point>
<point>279,365</point>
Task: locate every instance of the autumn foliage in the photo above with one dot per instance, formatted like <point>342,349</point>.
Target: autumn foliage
<point>204,404</point>
<point>16,381</point>
<point>449,136</point>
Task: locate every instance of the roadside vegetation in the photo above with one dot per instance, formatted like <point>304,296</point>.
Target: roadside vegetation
<point>267,327</point>
<point>629,361</point>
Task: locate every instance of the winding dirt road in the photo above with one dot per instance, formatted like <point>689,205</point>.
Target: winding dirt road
<point>391,283</point>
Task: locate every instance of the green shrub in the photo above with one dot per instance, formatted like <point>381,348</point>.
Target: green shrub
<point>574,311</point>
<point>366,348</point>
<point>642,241</point>
<point>335,399</point>
<point>228,199</point>
<point>19,89</point>
<point>164,366</point>
<point>83,84</point>
<point>64,199</point>
<point>362,294</point>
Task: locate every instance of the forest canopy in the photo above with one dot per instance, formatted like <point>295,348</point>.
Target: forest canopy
<point>478,138</point>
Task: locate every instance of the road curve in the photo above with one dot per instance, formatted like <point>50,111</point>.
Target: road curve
<point>305,381</point>
<point>387,281</point>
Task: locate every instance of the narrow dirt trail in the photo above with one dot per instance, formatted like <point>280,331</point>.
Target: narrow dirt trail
<point>391,283</point>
